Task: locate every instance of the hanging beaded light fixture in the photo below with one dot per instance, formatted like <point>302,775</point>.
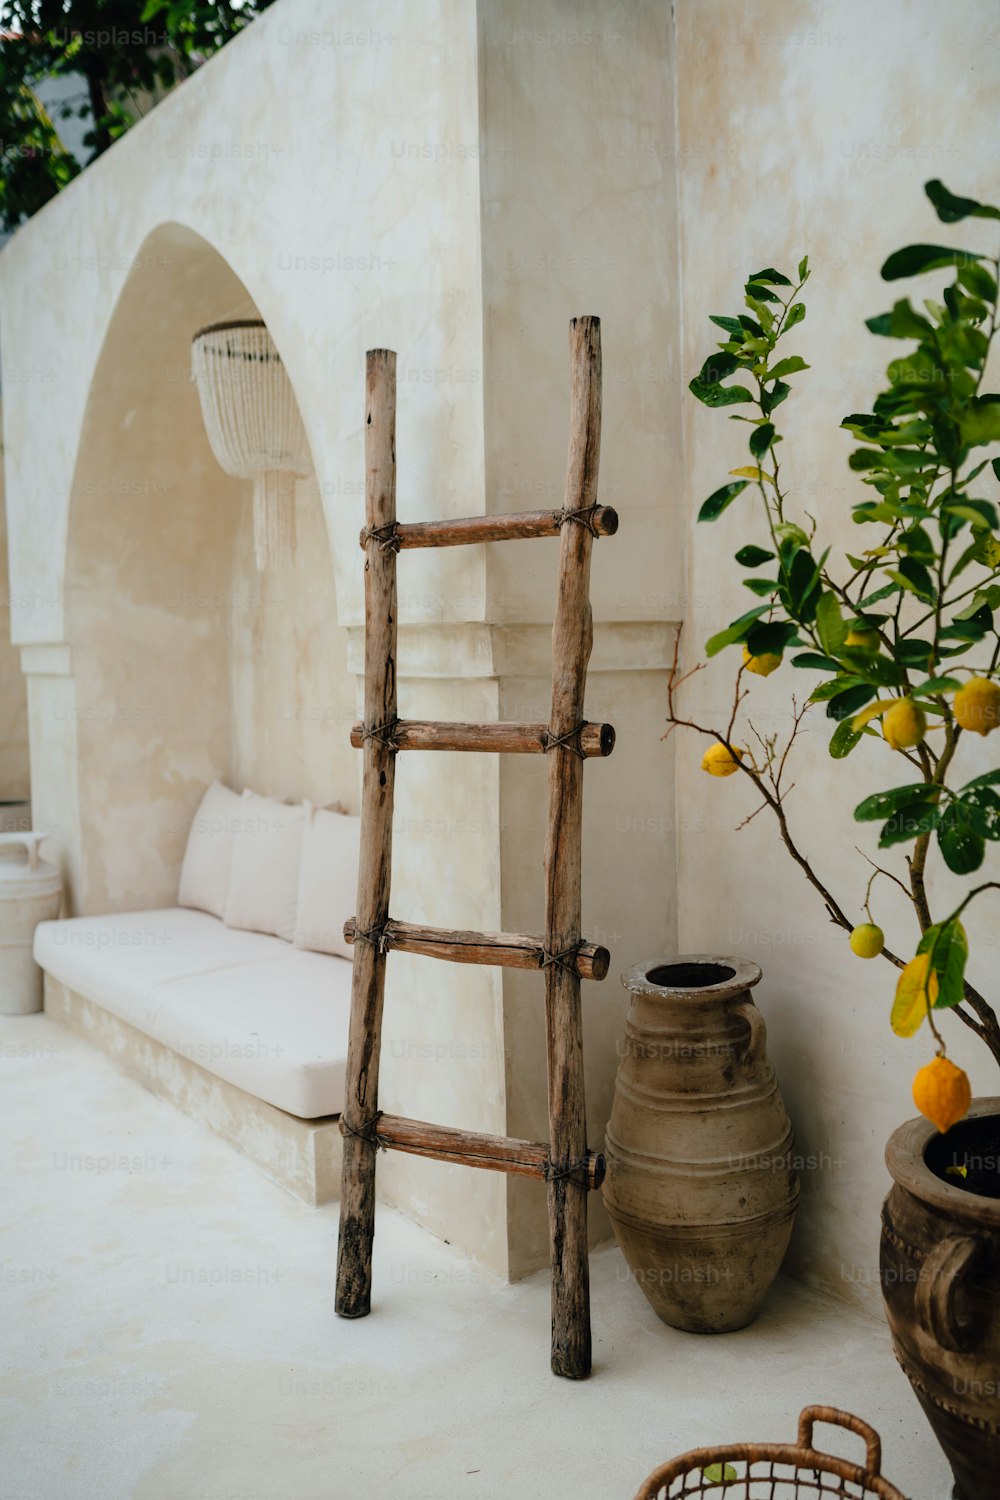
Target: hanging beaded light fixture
<point>254,427</point>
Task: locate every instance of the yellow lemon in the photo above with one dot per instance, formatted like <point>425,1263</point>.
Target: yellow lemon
<point>941,1092</point>
<point>977,705</point>
<point>764,664</point>
<point>719,760</point>
<point>904,725</point>
<point>862,638</point>
<point>867,940</point>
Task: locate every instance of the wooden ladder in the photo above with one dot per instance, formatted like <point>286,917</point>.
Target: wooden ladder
<point>565,1164</point>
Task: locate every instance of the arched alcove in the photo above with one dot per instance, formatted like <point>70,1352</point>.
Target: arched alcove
<point>187,663</point>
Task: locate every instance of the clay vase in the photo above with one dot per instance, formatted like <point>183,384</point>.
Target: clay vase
<point>941,1285</point>
<point>701,1185</point>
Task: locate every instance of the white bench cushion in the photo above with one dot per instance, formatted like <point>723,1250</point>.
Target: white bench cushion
<point>267,1017</point>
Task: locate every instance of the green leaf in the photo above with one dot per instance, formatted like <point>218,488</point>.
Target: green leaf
<point>914,653</point>
<point>981,421</point>
<point>717,367</point>
<point>774,397</point>
<point>731,325</point>
<point>737,631</point>
<point>721,500</point>
<point>769,274</point>
<point>752,557</point>
<point>844,739</point>
<point>902,323</point>
<point>978,281</point>
<point>962,847</point>
<point>845,705</point>
<point>830,624</point>
<point>983,808</point>
<point>885,593</point>
<point>979,512</point>
<point>884,804</point>
<point>787,366</point>
<point>914,259</point>
<point>951,208</point>
<point>757,292</point>
<point>765,587</point>
<point>773,636</point>
<point>761,439</point>
<point>915,577</point>
<point>935,685</point>
<point>803,268</point>
<point>948,946</point>
<point>796,313</point>
<point>871,667</point>
<point>824,691</point>
<point>815,661</point>
<point>803,587</point>
<point>909,822</point>
<point>719,395</point>
<point>719,1474</point>
<point>991,778</point>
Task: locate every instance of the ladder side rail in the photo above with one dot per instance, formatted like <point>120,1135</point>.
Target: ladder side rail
<point>572,638</point>
<point>358,1120</point>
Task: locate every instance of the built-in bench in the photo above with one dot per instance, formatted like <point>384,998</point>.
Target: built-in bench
<point>240,1029</point>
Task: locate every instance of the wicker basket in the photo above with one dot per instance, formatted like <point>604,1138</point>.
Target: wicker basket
<point>776,1471</point>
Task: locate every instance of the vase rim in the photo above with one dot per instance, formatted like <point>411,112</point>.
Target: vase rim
<point>727,976</point>
<point>905,1158</point>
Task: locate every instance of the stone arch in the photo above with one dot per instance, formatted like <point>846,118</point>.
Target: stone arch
<point>187,664</point>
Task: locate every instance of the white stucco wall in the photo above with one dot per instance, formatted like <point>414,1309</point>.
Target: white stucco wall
<point>15,774</point>
<point>363,179</point>
<point>455,181</point>
<point>812,128</point>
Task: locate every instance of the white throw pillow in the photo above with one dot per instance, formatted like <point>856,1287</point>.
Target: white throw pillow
<point>209,854</point>
<point>264,882</point>
<point>328,881</point>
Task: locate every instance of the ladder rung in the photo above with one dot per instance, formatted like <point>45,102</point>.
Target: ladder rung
<point>511,738</point>
<point>497,1153</point>
<point>514,526</point>
<point>508,950</point>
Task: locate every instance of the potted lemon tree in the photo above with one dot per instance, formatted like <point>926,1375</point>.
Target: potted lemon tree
<point>897,641</point>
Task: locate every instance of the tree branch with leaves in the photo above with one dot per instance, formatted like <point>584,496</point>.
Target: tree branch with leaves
<point>903,633</point>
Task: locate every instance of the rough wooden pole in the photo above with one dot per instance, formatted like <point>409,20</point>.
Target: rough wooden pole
<point>516,525</point>
<point>509,950</point>
<point>357,1194</point>
<point>572,636</point>
<point>523,739</point>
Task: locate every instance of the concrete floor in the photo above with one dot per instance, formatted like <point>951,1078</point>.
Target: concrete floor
<point>168,1334</point>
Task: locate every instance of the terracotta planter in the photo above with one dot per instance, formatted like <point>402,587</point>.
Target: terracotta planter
<point>701,1185</point>
<point>941,1285</point>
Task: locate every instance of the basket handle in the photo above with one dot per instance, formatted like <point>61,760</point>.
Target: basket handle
<point>836,1418</point>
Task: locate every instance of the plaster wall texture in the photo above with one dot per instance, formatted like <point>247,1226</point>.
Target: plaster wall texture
<point>337,178</point>
<point>578,215</point>
<point>812,128</point>
<point>15,773</point>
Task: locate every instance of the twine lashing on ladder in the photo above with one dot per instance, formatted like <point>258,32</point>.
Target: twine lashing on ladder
<point>564,960</point>
<point>368,1132</point>
<point>571,740</point>
<point>386,536</point>
<point>583,517</point>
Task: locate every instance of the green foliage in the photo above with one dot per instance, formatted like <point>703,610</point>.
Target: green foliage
<point>720,1474</point>
<point>123,57</point>
<point>911,615</point>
